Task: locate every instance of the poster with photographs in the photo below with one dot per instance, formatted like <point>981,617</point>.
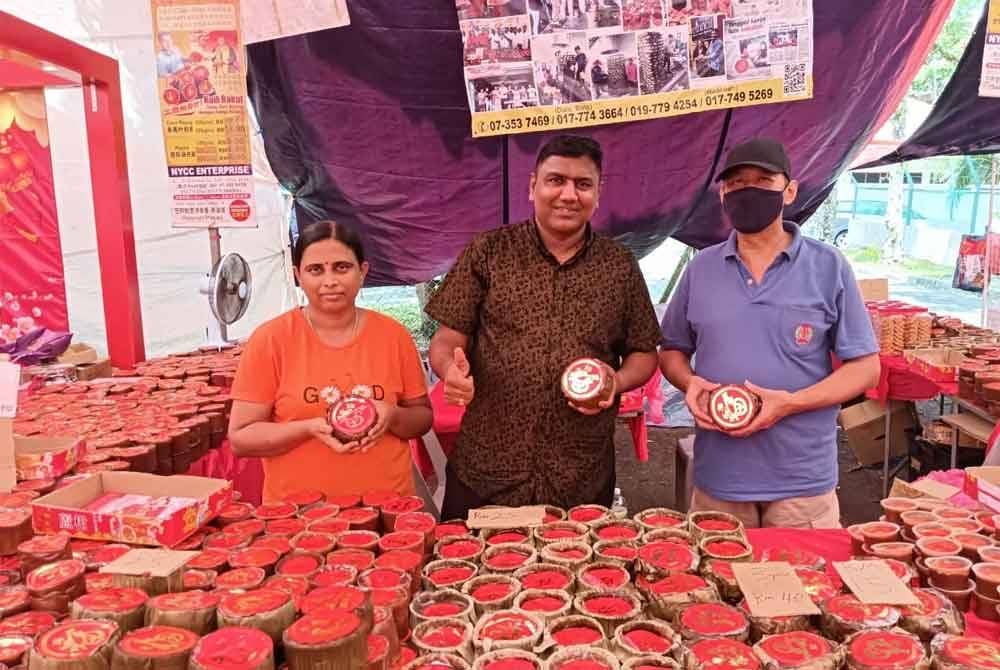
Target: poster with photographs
<point>534,65</point>
<point>989,83</point>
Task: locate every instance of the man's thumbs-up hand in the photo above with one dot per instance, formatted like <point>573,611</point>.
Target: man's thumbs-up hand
<point>458,385</point>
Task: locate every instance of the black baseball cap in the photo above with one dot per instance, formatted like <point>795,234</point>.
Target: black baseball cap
<point>761,152</point>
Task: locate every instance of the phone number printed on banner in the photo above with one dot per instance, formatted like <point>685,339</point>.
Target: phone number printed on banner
<point>633,109</point>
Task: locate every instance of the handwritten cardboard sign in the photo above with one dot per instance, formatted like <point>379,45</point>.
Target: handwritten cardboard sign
<point>149,562</point>
<point>506,517</point>
<point>874,583</point>
<point>773,589</point>
<point>922,489</point>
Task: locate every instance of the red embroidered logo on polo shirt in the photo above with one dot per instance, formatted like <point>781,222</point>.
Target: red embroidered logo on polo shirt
<point>803,334</point>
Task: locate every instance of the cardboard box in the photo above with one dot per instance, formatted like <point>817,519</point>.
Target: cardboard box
<point>96,370</point>
<point>983,484</point>
<point>64,510</point>
<point>864,425</point>
<point>10,377</point>
<point>874,289</point>
<point>46,457</point>
<point>78,354</point>
<point>940,365</point>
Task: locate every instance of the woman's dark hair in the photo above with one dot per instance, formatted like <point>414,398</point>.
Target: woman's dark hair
<point>327,230</point>
<point>571,146</point>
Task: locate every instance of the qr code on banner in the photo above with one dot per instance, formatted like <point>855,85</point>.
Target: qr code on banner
<point>795,79</point>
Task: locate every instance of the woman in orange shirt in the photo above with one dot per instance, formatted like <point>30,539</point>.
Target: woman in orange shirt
<point>292,364</point>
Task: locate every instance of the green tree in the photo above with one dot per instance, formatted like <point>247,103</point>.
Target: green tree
<point>946,51</point>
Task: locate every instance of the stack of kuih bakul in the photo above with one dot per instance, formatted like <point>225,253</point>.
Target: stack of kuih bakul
<point>373,582</point>
<point>158,418</point>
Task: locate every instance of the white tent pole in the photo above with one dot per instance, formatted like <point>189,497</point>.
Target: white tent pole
<point>987,269</point>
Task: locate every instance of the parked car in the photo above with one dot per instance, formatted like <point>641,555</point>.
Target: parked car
<point>871,213</point>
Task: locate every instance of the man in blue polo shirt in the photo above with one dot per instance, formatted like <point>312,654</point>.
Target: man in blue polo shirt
<point>766,308</point>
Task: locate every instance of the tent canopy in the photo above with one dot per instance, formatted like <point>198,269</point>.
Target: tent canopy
<point>369,125</point>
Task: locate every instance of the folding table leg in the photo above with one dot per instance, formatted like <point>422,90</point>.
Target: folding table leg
<point>886,449</point>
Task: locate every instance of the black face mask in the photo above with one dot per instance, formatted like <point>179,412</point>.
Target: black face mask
<point>751,209</point>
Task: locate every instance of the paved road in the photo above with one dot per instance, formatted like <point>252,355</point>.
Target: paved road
<point>935,294</point>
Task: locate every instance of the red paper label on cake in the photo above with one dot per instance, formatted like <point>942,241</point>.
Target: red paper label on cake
<point>584,379</point>
<point>662,520</point>
<point>647,641</point>
<point>560,534</point>
<point>732,407</point>
<point>407,561</point>
<point>225,541</point>
<point>713,619</point>
<point>620,551</point>
<point>209,560</point>
<point>442,610</point>
<point>357,539</point>
<point>13,597</point>
<point>419,522</point>
<point>75,640</point>
<point>362,559</point>
<point>158,641</point>
<point>491,592</point>
<point>236,511</point>
<point>606,577</point>
<point>452,575</point>
<point>187,601</point>
<point>303,498</point>
<point>253,602</point>
<point>402,505</point>
<point>444,637</point>
<point>401,539</point>
<point>581,664</point>
<point>246,528</point>
<point>507,626</point>
<point>293,586</point>
<point>615,532</point>
<point>724,655</point>
<point>973,652</point>
<point>113,600</point>
<point>930,605</point>
<point>507,537</point>
<point>546,579</point>
<point>334,598</point>
<point>312,541</point>
<point>333,575</point>
<point>28,623</point>
<point>885,649</point>
<point>608,606</point>
<point>678,582</point>
<point>254,557</point>
<point>44,544</point>
<point>54,575</point>
<point>587,514</point>
<point>568,553</point>
<point>275,511</point>
<point>668,556</point>
<point>378,647</point>
<point>442,530</point>
<point>723,569</point>
<point>108,554</point>
<point>818,585</point>
<point>796,648</point>
<point>512,663</point>
<point>378,498</point>
<point>286,526</point>
<point>13,647</point>
<point>330,526</point>
<point>506,560</point>
<point>300,565</point>
<point>459,549</point>
<point>240,578</point>
<point>850,609</point>
<point>352,417</point>
<point>796,556</point>
<point>576,635</point>
<point>390,597</point>
<point>196,579</point>
<point>547,604</point>
<point>383,578</point>
<point>726,548</point>
<point>316,630</point>
<point>320,511</point>
<point>233,649</point>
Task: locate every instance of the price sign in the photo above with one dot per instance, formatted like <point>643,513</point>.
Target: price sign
<point>773,589</point>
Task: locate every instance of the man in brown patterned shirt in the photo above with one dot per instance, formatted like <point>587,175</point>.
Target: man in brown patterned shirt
<point>523,302</point>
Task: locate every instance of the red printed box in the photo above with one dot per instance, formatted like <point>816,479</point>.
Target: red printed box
<point>132,507</point>
<point>46,457</point>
